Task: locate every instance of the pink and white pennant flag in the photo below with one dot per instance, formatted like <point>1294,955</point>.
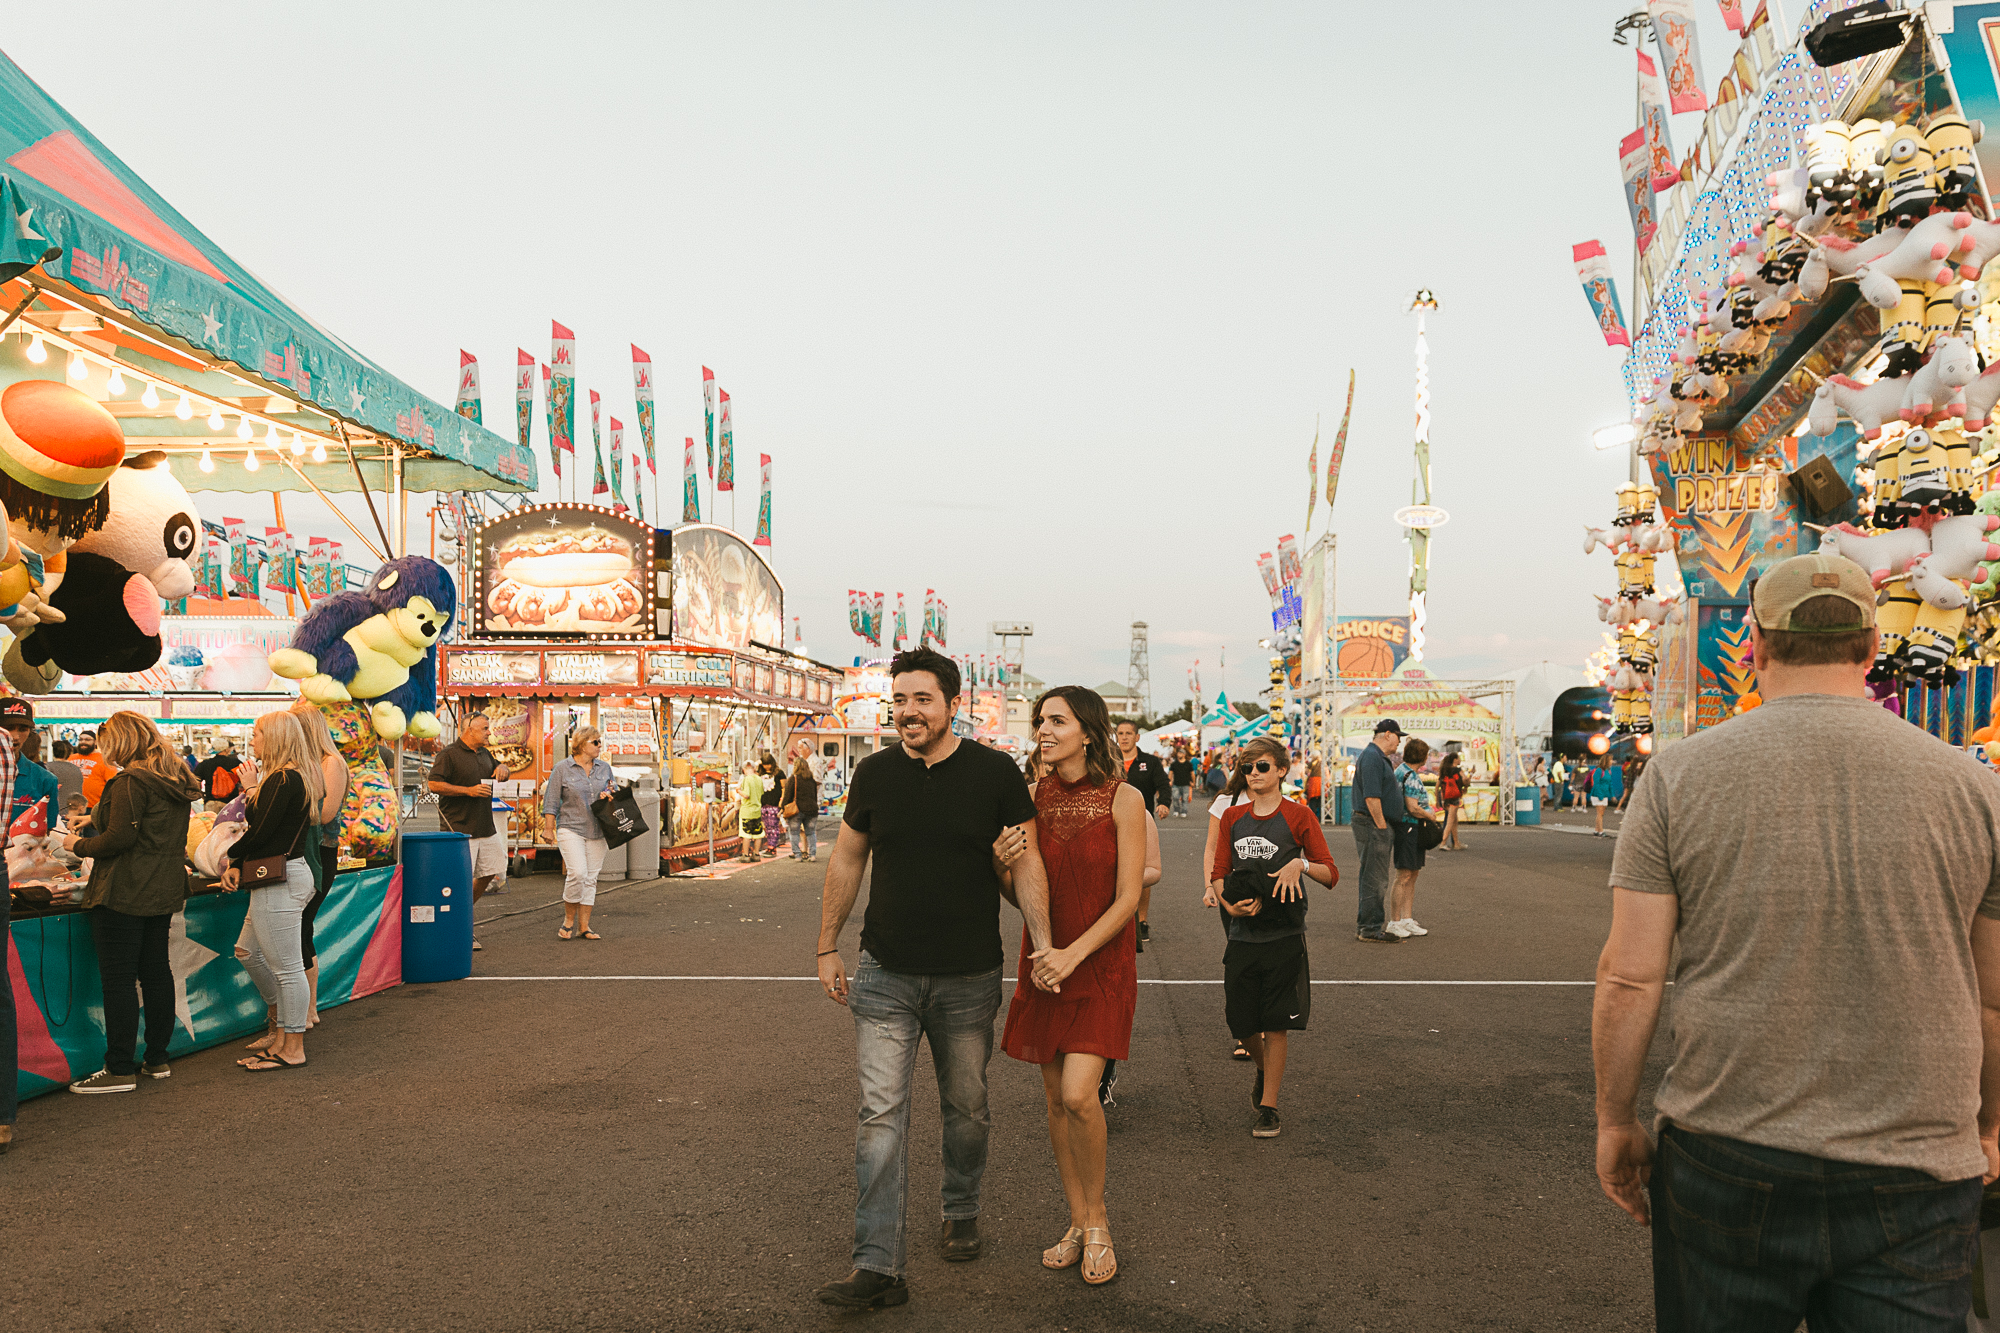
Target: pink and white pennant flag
<point>468,404</point>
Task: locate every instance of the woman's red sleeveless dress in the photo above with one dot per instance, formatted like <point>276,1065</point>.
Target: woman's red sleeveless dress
<point>1093,1014</point>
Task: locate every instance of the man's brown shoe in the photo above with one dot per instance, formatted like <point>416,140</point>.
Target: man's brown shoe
<point>959,1240</point>
<point>864,1289</point>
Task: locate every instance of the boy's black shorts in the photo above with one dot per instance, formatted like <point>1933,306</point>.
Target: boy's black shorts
<point>1266,986</point>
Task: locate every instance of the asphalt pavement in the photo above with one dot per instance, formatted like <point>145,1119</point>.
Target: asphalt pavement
<point>600,1136</point>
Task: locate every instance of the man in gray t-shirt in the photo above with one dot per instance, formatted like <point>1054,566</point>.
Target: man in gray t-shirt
<point>1832,877</point>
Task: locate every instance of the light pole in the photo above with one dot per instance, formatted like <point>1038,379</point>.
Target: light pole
<point>1420,536</point>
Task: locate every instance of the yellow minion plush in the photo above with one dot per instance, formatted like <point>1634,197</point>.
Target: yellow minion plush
<point>1909,184</point>
<point>1933,641</point>
<point>1635,573</point>
<point>1896,608</point>
<point>1903,328</point>
<point>1865,141</point>
<point>1950,138</point>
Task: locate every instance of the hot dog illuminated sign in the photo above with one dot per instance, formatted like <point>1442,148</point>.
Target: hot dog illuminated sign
<point>570,571</point>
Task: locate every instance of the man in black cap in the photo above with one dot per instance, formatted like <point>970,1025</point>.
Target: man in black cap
<point>1378,807</point>
<point>32,782</point>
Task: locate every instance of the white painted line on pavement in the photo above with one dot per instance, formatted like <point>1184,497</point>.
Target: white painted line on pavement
<point>1143,981</point>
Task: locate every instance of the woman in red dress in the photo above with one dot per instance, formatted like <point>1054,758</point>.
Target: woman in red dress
<point>1072,1008</point>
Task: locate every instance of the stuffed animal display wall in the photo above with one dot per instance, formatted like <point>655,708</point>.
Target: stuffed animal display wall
<point>377,644</point>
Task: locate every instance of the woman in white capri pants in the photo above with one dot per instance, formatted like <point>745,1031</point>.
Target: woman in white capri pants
<point>575,783</point>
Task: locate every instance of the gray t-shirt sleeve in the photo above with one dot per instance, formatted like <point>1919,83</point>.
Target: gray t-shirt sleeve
<point>1989,903</point>
<point>1640,861</point>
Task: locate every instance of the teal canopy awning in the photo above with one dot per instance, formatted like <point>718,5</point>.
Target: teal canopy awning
<point>174,304</point>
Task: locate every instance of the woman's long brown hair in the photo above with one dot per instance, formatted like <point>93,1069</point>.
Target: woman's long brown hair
<point>1095,719</point>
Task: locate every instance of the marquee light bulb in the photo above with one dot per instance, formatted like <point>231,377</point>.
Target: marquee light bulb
<point>77,370</point>
<point>150,398</point>
<point>215,418</point>
<point>250,460</point>
<point>319,453</point>
<point>271,434</point>
<point>117,381</point>
<point>207,463</point>
<point>184,409</point>
<point>36,352</point>
<point>243,428</point>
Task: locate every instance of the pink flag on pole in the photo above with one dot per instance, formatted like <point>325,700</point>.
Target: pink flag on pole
<point>1665,173</point>
<point>1732,13</point>
<point>1680,53</point>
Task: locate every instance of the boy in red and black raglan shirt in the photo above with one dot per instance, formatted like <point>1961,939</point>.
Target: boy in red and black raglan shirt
<point>1263,861</point>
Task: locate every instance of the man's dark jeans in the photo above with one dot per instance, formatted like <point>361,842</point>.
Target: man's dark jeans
<point>134,948</point>
<point>1748,1239</point>
<point>1377,847</point>
<point>10,1053</point>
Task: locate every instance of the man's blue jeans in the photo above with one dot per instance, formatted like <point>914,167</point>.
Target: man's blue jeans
<point>1748,1238</point>
<point>893,1013</point>
<point>1377,847</point>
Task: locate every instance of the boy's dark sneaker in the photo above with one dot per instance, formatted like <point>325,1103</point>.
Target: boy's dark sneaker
<point>1257,1090</point>
<point>864,1289</point>
<point>1267,1125</point>
<point>1145,932</point>
<point>160,1070</point>
<point>959,1240</point>
<point>1379,938</point>
<point>106,1081</point>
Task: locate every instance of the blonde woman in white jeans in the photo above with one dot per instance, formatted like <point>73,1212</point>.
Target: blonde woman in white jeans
<point>576,782</point>
<point>280,809</point>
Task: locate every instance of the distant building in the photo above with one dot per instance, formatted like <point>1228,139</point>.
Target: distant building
<point>1118,700</point>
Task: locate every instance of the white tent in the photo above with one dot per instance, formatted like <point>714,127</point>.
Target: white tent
<point>1157,740</point>
<point>1535,691</point>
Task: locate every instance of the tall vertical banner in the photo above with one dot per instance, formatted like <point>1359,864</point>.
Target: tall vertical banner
<point>598,485</point>
<point>618,465</point>
<point>642,402</point>
<point>1312,477</point>
<point>524,396</point>
<point>853,597</point>
<point>468,405</point>
<point>555,446</point>
<point>1593,270</point>
<point>1337,453</point>
<point>943,617</point>
<point>1680,53</point>
<point>708,415</point>
<point>875,620</point>
<point>902,630</point>
<point>1664,172</point>
<point>930,618</point>
<point>562,390</point>
<point>1267,569</point>
<point>763,537</point>
<point>690,485</point>
<point>1638,190</point>
<point>725,465</point>
<point>1732,13</point>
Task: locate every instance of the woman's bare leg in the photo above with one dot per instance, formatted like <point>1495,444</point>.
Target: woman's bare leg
<point>1052,1091</point>
<point>1084,1137</point>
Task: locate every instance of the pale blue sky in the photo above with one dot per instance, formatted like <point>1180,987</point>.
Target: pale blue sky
<point>1032,303</point>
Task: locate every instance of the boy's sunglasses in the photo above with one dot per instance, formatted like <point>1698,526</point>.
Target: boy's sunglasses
<point>1261,766</point>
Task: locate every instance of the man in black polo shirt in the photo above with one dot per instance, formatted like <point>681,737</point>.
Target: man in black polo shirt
<point>930,811</point>
<point>1149,775</point>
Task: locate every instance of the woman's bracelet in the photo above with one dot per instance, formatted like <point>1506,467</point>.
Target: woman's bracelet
<point>824,952</point>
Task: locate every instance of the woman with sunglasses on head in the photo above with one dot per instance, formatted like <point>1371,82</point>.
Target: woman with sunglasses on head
<point>1072,1009</point>
<point>1268,848</point>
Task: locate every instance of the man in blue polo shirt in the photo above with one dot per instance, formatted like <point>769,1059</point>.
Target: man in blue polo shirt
<point>1378,808</point>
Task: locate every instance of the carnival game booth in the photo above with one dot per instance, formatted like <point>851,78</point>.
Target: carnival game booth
<point>662,640</point>
<point>1476,715</point>
<point>140,366</point>
<point>1820,305</point>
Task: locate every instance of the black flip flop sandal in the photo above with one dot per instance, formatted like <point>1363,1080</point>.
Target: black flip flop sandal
<point>565,932</point>
<point>271,1064</point>
<point>589,934</point>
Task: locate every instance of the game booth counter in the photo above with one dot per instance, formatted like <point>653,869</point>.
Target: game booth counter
<point>666,641</point>
<point>1475,716</point>
<point>141,366</point>
<point>1819,309</point>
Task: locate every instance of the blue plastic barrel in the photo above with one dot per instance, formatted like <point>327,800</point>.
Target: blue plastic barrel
<point>1527,804</point>
<point>1343,804</point>
<point>437,907</point>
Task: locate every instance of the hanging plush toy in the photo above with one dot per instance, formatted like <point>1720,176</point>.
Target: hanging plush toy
<point>1837,257</point>
<point>1933,640</point>
<point>1903,328</point>
<point>1870,405</point>
<point>1865,141</point>
<point>58,449</point>
<point>1951,367</point>
<point>153,529</point>
<point>1950,138</point>
<point>1635,574</point>
<point>1909,189</point>
<point>1882,554</point>
<point>1895,615</point>
<point>379,644</point>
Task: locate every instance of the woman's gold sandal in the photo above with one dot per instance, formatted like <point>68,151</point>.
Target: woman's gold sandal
<point>1065,1252</point>
<point>1110,1255</point>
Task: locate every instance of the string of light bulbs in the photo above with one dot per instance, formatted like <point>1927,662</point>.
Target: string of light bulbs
<point>80,359</point>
